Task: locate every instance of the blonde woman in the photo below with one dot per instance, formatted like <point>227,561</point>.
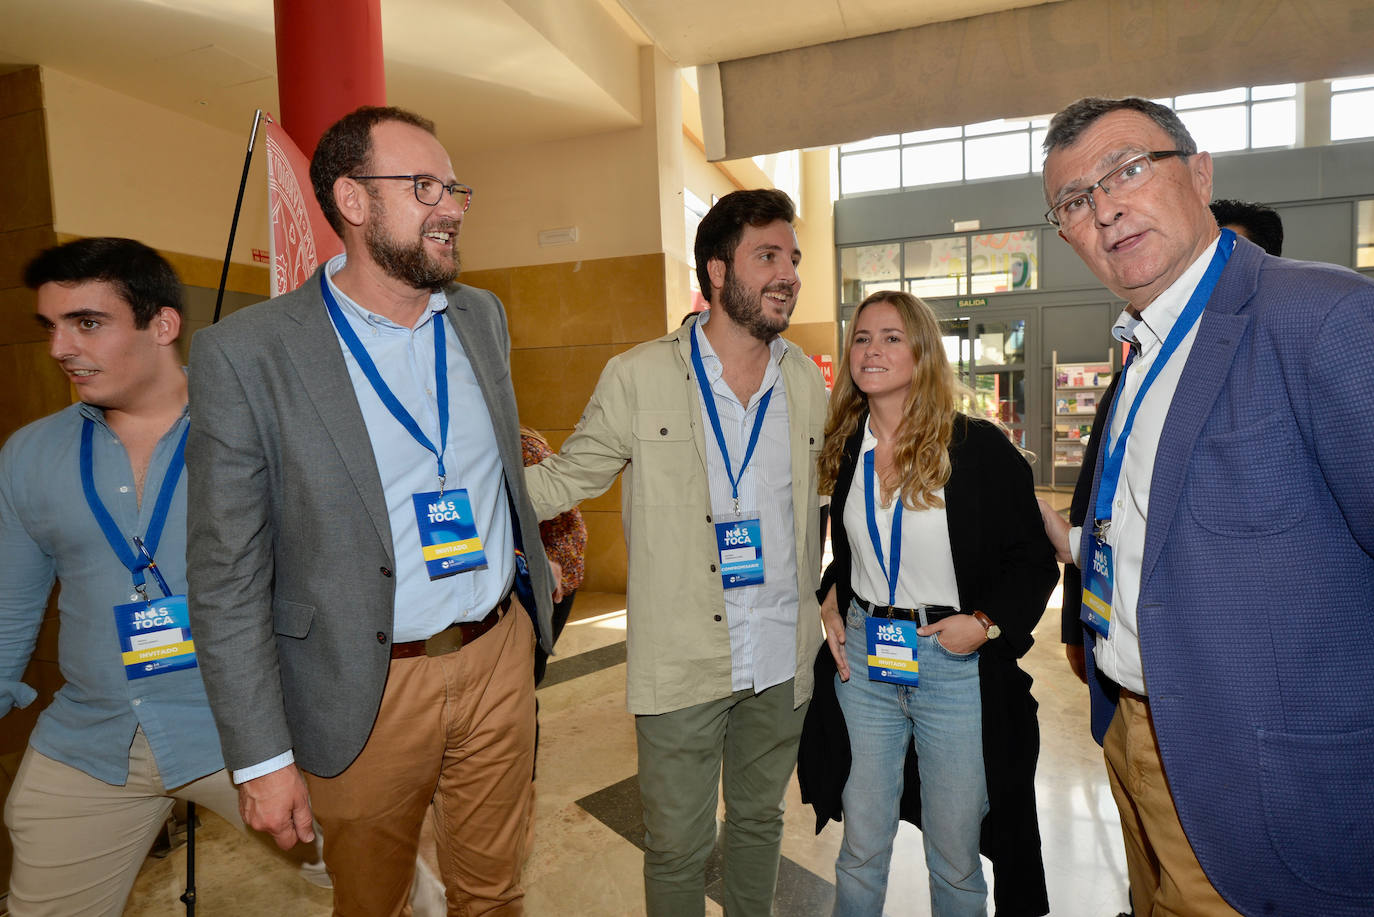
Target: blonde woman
<point>941,569</point>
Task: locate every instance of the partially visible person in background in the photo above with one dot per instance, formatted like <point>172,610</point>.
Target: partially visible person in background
<point>565,541</point>
<point>1256,222</point>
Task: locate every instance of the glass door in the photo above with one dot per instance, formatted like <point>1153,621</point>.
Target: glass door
<point>989,355</point>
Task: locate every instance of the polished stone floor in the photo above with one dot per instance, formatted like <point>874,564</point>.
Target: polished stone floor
<point>585,859</point>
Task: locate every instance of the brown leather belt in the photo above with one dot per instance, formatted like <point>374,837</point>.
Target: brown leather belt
<point>452,638</point>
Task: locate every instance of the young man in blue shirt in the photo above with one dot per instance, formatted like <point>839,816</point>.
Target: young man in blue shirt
<point>131,729</point>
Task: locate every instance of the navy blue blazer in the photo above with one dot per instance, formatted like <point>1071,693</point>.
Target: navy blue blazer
<point>1257,588</point>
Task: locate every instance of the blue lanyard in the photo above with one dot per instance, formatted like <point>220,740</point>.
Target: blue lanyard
<point>384,392</point>
<point>891,568</point>
<point>711,412</point>
<point>147,545</point>
<point>1115,457</point>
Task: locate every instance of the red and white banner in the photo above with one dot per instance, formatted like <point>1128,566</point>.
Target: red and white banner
<point>302,238</point>
<point>827,364</point>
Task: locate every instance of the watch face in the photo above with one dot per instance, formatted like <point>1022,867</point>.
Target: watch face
<point>994,632</point>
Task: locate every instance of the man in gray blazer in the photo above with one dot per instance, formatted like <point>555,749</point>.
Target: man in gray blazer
<point>360,506</point>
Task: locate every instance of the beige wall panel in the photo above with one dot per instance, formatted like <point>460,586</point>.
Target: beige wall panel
<point>202,271</point>
<point>553,384</point>
<point>17,324</point>
<point>24,198</point>
<point>20,91</point>
<point>497,280</point>
<point>816,236</point>
<point>17,248</point>
<point>677,296</point>
<point>814,337</point>
<point>701,177</point>
<point>607,185</point>
<point>123,167</point>
<point>1031,61</point>
<point>608,300</point>
<point>31,386</point>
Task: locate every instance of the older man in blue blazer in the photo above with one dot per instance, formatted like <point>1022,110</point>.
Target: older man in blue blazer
<point>1228,554</point>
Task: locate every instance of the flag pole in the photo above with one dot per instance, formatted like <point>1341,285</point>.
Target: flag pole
<point>238,205</point>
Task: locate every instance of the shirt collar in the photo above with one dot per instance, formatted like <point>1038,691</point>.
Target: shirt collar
<point>97,414</point>
<point>776,347</point>
<point>438,302</point>
<point>870,441</point>
<point>1157,319</point>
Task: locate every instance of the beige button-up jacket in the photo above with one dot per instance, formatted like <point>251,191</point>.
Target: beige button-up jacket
<point>644,419</point>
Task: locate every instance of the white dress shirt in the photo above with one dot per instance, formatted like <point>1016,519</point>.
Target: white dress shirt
<point>925,573</point>
<point>1118,655</point>
<point>763,618</point>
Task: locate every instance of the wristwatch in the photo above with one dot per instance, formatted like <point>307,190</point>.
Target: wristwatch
<point>993,631</point>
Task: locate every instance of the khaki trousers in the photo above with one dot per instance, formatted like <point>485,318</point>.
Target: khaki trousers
<point>455,733</point>
<point>79,842</point>
<point>1166,879</point>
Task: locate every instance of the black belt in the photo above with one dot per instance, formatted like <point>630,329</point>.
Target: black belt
<point>933,612</point>
<point>451,638</point>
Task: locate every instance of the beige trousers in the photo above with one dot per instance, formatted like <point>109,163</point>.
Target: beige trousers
<point>455,733</point>
<point>79,842</point>
<point>1166,879</point>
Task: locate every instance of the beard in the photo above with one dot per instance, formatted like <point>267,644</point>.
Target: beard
<point>411,264</point>
<point>745,308</point>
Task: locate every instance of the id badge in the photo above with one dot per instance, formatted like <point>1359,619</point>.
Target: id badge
<point>892,651</point>
<point>1097,589</point>
<point>740,543</point>
<point>155,636</point>
<point>448,533</point>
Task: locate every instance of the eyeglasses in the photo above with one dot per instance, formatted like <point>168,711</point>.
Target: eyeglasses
<point>428,189</point>
<point>1124,180</point>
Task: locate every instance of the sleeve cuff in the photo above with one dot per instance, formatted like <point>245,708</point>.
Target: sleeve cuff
<point>1075,543</point>
<point>15,694</point>
<point>244,774</point>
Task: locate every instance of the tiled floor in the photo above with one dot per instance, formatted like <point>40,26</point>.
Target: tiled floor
<point>585,861</point>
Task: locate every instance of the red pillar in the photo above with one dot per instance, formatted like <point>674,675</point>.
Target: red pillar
<point>329,62</point>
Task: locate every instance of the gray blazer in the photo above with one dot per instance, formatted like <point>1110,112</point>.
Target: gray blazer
<point>289,549</point>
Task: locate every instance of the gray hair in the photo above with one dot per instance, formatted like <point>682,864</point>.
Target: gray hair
<point>1069,124</point>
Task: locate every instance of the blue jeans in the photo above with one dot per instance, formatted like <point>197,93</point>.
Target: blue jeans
<point>944,716</point>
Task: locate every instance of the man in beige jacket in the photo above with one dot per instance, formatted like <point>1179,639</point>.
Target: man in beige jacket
<point>717,427</point>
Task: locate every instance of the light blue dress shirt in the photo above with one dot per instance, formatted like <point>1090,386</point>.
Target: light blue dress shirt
<point>405,360</point>
<point>762,619</point>
<point>47,530</point>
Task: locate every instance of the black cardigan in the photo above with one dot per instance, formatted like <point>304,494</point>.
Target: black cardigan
<point>1004,566</point>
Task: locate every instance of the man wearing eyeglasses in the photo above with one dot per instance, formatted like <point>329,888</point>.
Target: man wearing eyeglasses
<point>356,474</point>
<point>1228,557</point>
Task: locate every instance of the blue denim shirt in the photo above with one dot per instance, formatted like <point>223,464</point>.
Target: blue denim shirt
<point>46,531</point>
